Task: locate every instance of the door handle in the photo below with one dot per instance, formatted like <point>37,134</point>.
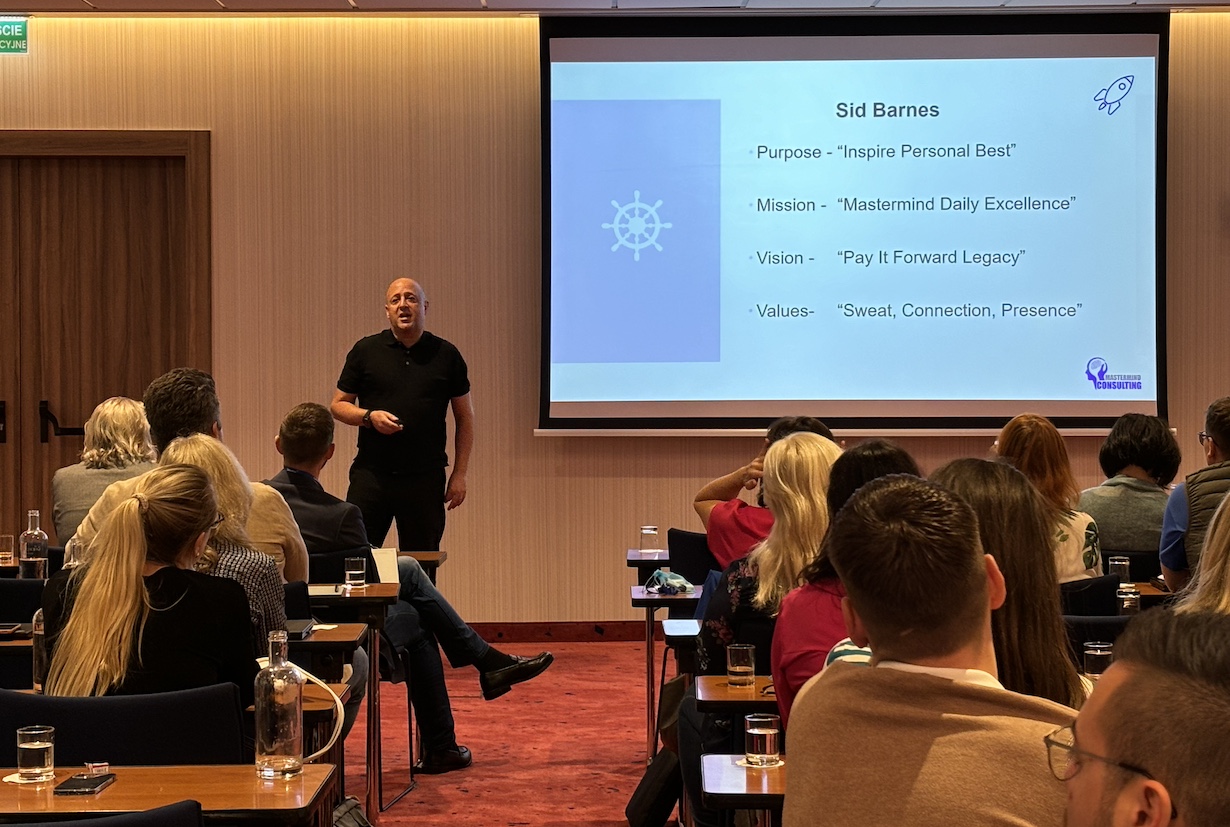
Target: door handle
<point>49,426</point>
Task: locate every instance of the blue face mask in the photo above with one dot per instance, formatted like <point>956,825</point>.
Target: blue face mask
<point>667,582</point>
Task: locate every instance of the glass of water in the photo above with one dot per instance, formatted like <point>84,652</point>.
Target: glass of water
<point>1121,566</point>
<point>36,750</point>
<point>650,541</point>
<point>762,742</point>
<point>356,571</point>
<point>6,550</point>
<point>1098,657</point>
<point>741,665</point>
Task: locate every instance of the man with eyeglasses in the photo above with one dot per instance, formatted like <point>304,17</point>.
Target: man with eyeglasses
<point>926,736</point>
<point>1149,747</point>
<point>1193,501</point>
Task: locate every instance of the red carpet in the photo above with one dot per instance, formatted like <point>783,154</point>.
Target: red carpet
<point>566,748</point>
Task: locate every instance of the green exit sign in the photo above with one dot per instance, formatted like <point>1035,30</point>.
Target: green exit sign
<point>13,36</point>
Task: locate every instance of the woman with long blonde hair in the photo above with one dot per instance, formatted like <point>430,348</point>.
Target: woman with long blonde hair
<point>745,604</point>
<point>135,618</point>
<point>229,553</point>
<point>117,447</point>
<point>1034,446</point>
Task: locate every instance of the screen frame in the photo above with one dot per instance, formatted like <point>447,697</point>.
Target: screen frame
<point>999,23</point>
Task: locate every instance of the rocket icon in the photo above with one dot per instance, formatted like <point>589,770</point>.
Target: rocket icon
<point>1109,97</point>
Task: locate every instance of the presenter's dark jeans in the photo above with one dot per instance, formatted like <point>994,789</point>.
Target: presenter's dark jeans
<point>415,501</point>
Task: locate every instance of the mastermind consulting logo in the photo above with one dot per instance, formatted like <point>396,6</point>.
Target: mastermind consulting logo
<point>1096,371</point>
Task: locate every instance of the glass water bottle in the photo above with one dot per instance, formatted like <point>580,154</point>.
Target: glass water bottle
<point>33,545</point>
<point>39,646</point>
<point>279,714</point>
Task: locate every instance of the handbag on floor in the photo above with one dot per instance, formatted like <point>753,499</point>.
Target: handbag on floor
<point>655,797</point>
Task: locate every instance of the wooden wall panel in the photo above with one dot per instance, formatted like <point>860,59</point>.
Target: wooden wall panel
<point>346,153</point>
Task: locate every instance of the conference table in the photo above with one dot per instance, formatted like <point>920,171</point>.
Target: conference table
<point>715,694</point>
<point>368,603</point>
<point>230,794</point>
<point>650,602</point>
<point>726,785</point>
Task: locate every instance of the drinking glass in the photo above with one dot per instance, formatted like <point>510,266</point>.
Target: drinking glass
<point>356,571</point>
<point>741,665</point>
<point>36,748</point>
<point>6,550</point>
<point>649,538</point>
<point>1129,600</point>
<point>762,742</point>
<point>1121,566</point>
<point>1098,656</point>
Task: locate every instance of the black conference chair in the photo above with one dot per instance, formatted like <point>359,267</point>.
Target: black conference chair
<point>20,599</point>
<point>1091,596</point>
<point>298,604</point>
<point>690,557</point>
<point>190,726</point>
<point>1144,565</point>
<point>55,559</point>
<point>1084,629</point>
<point>181,814</point>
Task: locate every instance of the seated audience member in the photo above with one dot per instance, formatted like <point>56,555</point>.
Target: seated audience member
<point>809,623</point>
<point>135,618</point>
<point>732,526</point>
<point>182,402</point>
<point>1034,446</point>
<point>1140,458</point>
<point>1122,771</point>
<point>926,735</point>
<point>1209,589</point>
<point>228,553</point>
<point>117,447</point>
<point>1031,643</point>
<point>421,618</point>
<point>745,603</point>
<point>1193,501</point>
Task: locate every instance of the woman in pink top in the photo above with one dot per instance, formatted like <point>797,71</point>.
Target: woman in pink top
<point>809,623</point>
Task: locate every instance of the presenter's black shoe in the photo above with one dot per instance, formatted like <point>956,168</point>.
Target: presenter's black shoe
<point>498,681</point>
<point>441,761</point>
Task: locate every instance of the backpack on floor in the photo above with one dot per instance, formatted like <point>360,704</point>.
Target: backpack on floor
<point>655,797</point>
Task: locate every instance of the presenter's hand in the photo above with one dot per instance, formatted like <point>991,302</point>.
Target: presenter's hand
<point>455,494</point>
<point>385,422</point>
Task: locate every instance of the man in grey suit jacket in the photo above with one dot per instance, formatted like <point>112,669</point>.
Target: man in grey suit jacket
<point>422,621</point>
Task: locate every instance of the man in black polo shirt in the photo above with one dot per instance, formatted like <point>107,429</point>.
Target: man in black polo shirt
<point>397,387</point>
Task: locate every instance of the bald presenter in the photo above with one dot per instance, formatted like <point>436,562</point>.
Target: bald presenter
<point>397,387</point>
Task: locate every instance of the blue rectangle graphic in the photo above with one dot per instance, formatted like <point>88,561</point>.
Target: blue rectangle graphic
<point>635,215</point>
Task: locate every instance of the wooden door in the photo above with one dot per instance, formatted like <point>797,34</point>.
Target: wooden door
<point>113,286</point>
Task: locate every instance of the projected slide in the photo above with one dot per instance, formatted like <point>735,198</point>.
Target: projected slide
<point>904,234</point>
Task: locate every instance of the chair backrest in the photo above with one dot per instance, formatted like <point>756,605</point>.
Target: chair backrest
<point>180,814</point>
<point>330,567</point>
<point>1090,596</point>
<point>191,726</point>
<point>690,555</point>
<point>298,604</point>
<point>55,559</point>
<point>1144,565</point>
<point>19,599</point>
<point>1084,629</point>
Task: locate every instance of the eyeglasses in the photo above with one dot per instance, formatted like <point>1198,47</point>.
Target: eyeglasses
<point>1204,437</point>
<point>219,520</point>
<point>1065,758</point>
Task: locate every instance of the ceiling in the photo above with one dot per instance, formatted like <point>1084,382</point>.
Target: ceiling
<point>35,7</point>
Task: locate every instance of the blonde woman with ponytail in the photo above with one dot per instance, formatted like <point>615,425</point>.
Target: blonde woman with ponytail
<point>229,553</point>
<point>135,618</point>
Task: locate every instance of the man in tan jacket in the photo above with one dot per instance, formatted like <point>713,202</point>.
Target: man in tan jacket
<point>926,736</point>
<point>183,402</point>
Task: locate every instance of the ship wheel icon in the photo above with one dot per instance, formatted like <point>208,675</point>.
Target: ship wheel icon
<point>636,225</point>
